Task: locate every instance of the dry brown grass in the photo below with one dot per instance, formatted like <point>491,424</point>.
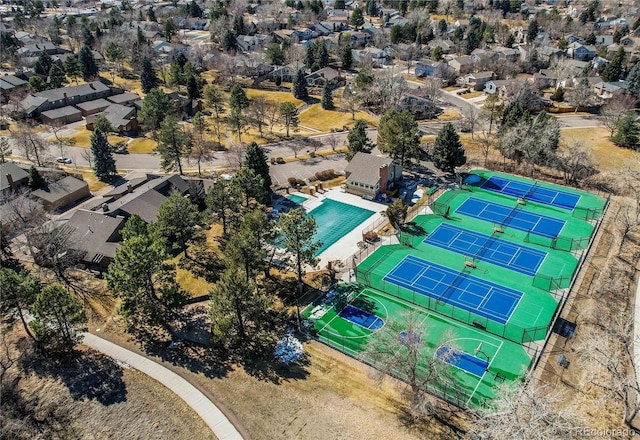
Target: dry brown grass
<point>449,114</point>
<point>94,399</point>
<point>606,154</point>
<point>326,120</point>
<point>143,145</point>
<point>472,95</point>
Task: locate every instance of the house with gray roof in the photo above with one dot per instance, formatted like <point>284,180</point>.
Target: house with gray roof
<point>63,115</point>
<point>97,235</point>
<point>145,200</point>
<point>10,84</point>
<point>368,175</point>
<point>62,193</point>
<point>92,107</point>
<point>36,103</point>
<point>121,117</point>
<point>12,177</point>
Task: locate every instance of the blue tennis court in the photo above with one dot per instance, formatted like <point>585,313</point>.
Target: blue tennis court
<point>531,191</point>
<point>458,289</point>
<point>487,248</point>
<point>462,360</point>
<point>361,318</point>
<point>513,217</point>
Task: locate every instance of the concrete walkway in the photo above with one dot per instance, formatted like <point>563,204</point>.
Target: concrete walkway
<point>212,416</point>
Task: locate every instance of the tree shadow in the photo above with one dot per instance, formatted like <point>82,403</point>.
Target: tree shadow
<point>87,375</point>
<point>193,357</point>
<point>414,229</point>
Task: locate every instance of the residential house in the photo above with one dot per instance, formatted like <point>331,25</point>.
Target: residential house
<point>477,80</point>
<point>545,78</point>
<point>360,39</point>
<point>395,21</point>
<point>320,77</point>
<point>34,50</point>
<point>124,98</point>
<point>626,41</point>
<point>321,29</point>
<point>580,52</point>
<point>419,106</point>
<point>285,73</point>
<point>499,87</point>
<point>62,193</point>
<point>195,24</point>
<point>12,177</point>
<point>369,56</point>
<point>145,200</point>
<point>507,54</point>
<point>549,53</point>
<point>53,99</point>
<point>607,90</point>
<point>250,43</point>
<point>425,69</point>
<point>526,51</point>
<point>368,175</point>
<point>462,64</point>
<point>483,55</point>
<point>121,117</point>
<point>97,235</point>
<point>188,107</point>
<point>604,40</point>
<point>573,39</point>
<point>446,45</point>
<point>61,116</point>
<point>11,84</point>
<point>92,107</point>
<point>336,25</point>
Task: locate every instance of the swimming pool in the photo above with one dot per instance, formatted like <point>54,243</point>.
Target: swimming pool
<point>335,220</point>
<point>295,198</point>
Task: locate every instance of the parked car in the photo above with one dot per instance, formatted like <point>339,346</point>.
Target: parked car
<point>63,159</point>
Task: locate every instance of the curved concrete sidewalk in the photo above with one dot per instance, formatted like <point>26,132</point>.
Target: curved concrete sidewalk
<point>212,416</point>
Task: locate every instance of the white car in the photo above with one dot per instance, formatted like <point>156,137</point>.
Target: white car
<point>63,159</point>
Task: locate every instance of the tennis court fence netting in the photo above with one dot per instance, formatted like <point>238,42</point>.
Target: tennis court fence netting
<point>373,275</point>
<point>560,243</point>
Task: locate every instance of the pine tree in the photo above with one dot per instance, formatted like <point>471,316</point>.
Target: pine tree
<point>613,71</point>
<point>104,167</point>
<point>448,152</point>
<point>398,136</point>
<point>256,159</point>
<point>173,145</point>
<point>35,179</point>
<point>346,56</point>
<point>88,65</point>
<point>193,91</point>
<point>238,100</point>
<point>57,76</point>
<point>71,68</point>
<point>43,64</point>
<point>327,97</point>
<point>627,131</point>
<point>633,81</point>
<point>357,140</point>
<point>357,18</point>
<point>299,87</point>
<point>148,78</point>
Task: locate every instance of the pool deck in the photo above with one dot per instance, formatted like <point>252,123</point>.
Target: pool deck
<point>348,244</point>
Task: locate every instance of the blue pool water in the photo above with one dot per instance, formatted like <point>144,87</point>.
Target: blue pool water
<point>295,198</point>
<point>335,220</point>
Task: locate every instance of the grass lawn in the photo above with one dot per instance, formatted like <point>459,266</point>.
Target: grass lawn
<point>272,95</point>
<point>128,85</point>
<point>325,120</point>
<point>472,95</point>
<point>194,286</point>
<point>451,88</point>
<point>82,138</point>
<point>606,154</point>
<point>92,180</point>
<point>449,114</point>
<point>141,145</point>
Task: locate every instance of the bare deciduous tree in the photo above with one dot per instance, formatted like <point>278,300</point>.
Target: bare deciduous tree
<point>258,112</point>
<point>333,140</point>
<point>576,162</point>
<point>528,410</point>
<point>32,145</point>
<point>614,109</point>
<point>431,88</point>
<point>471,115</point>
<point>398,349</point>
